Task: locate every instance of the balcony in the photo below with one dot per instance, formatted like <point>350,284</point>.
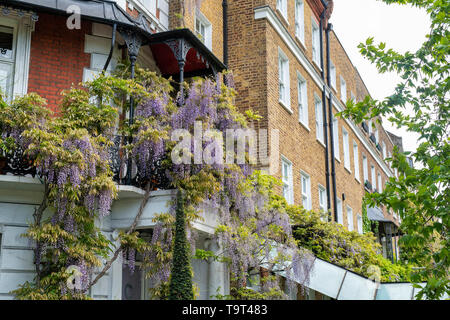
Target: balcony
<point>368,186</point>
<point>372,138</point>
<point>365,127</point>
<point>18,164</point>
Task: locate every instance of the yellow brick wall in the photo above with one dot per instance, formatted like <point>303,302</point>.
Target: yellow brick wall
<point>211,9</point>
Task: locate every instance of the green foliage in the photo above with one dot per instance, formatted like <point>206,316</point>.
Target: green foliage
<point>368,225</point>
<point>180,286</point>
<point>420,104</point>
<point>87,116</point>
<point>331,242</point>
<point>22,113</point>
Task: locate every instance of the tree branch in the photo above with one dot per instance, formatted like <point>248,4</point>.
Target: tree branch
<point>130,230</point>
<point>37,215</point>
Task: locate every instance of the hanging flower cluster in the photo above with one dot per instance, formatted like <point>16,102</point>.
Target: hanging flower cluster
<point>252,225</point>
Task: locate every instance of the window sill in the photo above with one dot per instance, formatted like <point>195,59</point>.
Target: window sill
<point>301,42</point>
<point>348,169</point>
<point>305,126</point>
<point>337,159</point>
<point>359,181</point>
<point>317,64</point>
<point>285,106</point>
<point>321,142</point>
<point>283,16</point>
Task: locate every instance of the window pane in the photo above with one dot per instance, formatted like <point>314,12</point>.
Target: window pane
<point>340,218</point>
<point>5,78</point>
<point>365,172</point>
<point>350,218</point>
<point>6,42</point>
<point>336,138</point>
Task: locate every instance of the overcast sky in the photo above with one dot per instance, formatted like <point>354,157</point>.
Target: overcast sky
<point>403,28</point>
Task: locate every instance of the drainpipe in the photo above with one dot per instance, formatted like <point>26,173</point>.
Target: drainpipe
<point>324,108</point>
<point>330,122</point>
<point>113,43</point>
<point>225,32</point>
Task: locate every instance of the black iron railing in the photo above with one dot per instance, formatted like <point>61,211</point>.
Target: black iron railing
<point>18,164</point>
<point>139,177</point>
<point>373,138</point>
<point>368,186</point>
<point>365,127</point>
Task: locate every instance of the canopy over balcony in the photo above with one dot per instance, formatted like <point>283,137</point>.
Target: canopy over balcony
<point>386,231</point>
<point>375,214</point>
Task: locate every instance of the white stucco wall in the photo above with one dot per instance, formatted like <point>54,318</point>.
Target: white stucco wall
<point>20,195</point>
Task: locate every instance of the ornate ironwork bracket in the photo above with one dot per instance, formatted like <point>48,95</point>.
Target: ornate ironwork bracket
<point>133,41</point>
<point>180,48</point>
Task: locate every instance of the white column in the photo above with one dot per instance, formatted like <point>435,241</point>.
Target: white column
<point>216,271</point>
<point>116,273</point>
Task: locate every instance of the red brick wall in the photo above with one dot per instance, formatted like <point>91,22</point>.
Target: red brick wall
<point>57,57</point>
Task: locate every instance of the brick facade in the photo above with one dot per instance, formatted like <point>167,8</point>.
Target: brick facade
<point>57,57</point>
<point>184,17</point>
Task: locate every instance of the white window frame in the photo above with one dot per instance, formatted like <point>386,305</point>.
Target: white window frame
<point>306,194</point>
<point>300,20</point>
<point>337,153</point>
<point>352,96</point>
<point>356,160</point>
<point>343,90</point>
<point>322,200</point>
<point>207,39</point>
<point>370,122</point>
<point>359,223</point>
<point>340,215</point>
<point>374,177</point>
<point>149,5</point>
<point>283,80</point>
<point>377,135</point>
<point>346,146</point>
<point>318,108</point>
<point>380,183</point>
<point>350,223</point>
<point>282,7</point>
<point>383,146</point>
<point>365,169</point>
<point>288,181</point>
<point>302,91</point>
<point>390,156</point>
<point>23,26</point>
<point>315,35</point>
<point>333,75</point>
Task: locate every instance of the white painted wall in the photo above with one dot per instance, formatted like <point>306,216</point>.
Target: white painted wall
<point>20,195</point>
